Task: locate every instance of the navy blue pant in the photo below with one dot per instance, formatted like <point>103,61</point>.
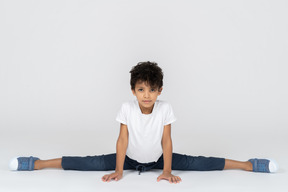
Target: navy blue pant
<point>108,162</point>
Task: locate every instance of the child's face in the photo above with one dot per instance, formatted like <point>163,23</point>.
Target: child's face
<point>146,95</point>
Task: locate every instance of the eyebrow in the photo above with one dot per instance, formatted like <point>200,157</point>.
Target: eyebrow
<point>144,87</point>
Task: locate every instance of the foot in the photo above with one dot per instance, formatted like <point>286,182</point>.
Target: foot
<point>264,165</point>
<point>23,163</point>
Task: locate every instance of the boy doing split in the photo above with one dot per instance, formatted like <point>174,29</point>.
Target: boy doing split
<point>144,140</point>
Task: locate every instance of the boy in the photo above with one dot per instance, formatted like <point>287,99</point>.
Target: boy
<point>144,140</point>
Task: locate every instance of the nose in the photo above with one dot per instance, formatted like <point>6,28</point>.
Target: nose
<point>146,94</point>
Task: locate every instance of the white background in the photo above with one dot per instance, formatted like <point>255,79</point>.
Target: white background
<point>64,73</point>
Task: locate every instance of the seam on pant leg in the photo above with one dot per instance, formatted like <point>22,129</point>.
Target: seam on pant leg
<point>105,166</point>
<point>223,164</point>
<point>63,164</point>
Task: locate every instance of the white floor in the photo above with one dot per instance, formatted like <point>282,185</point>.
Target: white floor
<point>46,145</point>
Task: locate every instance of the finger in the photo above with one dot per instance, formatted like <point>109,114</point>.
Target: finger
<point>118,178</point>
<point>176,180</point>
<point>173,180</point>
<point>179,179</point>
<point>112,176</point>
<point>105,178</point>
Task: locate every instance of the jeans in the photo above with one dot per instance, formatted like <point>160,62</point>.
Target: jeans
<point>108,162</point>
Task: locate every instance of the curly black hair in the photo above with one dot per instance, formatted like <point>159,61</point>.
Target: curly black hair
<point>148,72</point>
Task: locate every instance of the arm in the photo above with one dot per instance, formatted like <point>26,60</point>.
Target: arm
<point>167,156</point>
<point>121,148</point>
<point>167,148</point>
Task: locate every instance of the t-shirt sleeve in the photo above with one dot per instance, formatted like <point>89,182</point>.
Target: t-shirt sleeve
<point>170,117</point>
<point>122,115</point>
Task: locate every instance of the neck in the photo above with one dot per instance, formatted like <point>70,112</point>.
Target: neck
<point>146,110</point>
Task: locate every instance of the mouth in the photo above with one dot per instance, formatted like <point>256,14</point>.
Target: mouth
<point>146,101</point>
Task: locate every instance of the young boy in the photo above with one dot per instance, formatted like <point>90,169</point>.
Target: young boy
<point>144,140</point>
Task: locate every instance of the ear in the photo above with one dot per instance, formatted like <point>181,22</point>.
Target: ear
<point>160,91</point>
<point>133,91</point>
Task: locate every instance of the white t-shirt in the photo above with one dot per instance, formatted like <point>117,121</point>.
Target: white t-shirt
<point>145,130</point>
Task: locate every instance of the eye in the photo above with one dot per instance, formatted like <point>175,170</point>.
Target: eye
<point>152,90</point>
<point>140,89</point>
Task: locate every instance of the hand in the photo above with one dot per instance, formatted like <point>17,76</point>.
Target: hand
<point>117,175</point>
<point>168,176</point>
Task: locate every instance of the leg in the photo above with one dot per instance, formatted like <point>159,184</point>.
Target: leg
<point>93,163</point>
<point>53,163</point>
<point>88,163</point>
<point>191,163</point>
<point>232,164</point>
<point>33,163</point>
<point>200,163</point>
